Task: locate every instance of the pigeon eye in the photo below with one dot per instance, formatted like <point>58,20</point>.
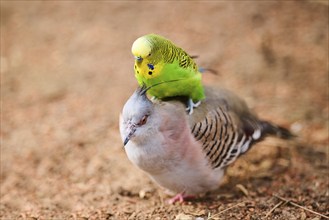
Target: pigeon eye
<point>143,121</point>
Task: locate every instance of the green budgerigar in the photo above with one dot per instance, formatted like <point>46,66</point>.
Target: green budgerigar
<point>158,60</point>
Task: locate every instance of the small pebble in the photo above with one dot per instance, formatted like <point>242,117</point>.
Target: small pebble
<point>302,216</point>
<point>182,216</point>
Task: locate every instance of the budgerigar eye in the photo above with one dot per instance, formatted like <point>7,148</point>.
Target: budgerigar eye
<point>138,58</point>
<point>142,121</point>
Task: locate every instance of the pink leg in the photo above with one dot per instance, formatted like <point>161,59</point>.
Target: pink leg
<point>180,197</point>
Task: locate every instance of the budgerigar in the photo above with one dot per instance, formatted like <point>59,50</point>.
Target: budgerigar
<point>187,154</point>
<point>157,60</point>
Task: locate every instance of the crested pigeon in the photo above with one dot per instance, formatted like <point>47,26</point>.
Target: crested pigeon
<point>188,154</point>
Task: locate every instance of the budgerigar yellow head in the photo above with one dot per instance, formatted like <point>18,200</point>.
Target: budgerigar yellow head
<point>141,48</point>
<point>147,57</point>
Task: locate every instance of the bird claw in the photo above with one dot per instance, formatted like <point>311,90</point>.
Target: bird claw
<point>180,197</point>
<point>191,105</point>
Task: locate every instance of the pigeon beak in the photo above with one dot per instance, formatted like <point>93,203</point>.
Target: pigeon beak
<point>127,139</point>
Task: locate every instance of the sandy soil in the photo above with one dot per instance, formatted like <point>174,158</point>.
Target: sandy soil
<point>67,70</point>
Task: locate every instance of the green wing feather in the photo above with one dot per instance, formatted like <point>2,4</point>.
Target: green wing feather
<point>170,53</point>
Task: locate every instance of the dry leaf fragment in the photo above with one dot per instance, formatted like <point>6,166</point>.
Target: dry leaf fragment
<point>243,189</point>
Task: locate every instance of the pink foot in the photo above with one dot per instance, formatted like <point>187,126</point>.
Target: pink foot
<point>180,197</point>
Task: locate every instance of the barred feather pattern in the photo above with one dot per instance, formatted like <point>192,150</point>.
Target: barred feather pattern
<point>171,52</point>
<point>222,141</point>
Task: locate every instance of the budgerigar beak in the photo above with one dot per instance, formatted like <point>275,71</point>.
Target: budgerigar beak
<point>127,139</point>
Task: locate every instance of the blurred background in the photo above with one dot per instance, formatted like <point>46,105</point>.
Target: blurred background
<point>67,70</point>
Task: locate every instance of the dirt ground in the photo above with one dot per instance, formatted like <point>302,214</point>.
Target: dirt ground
<point>67,70</point>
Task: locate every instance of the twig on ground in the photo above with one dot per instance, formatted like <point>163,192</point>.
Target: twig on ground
<point>161,199</point>
<point>299,206</point>
<point>210,217</point>
<point>276,206</point>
